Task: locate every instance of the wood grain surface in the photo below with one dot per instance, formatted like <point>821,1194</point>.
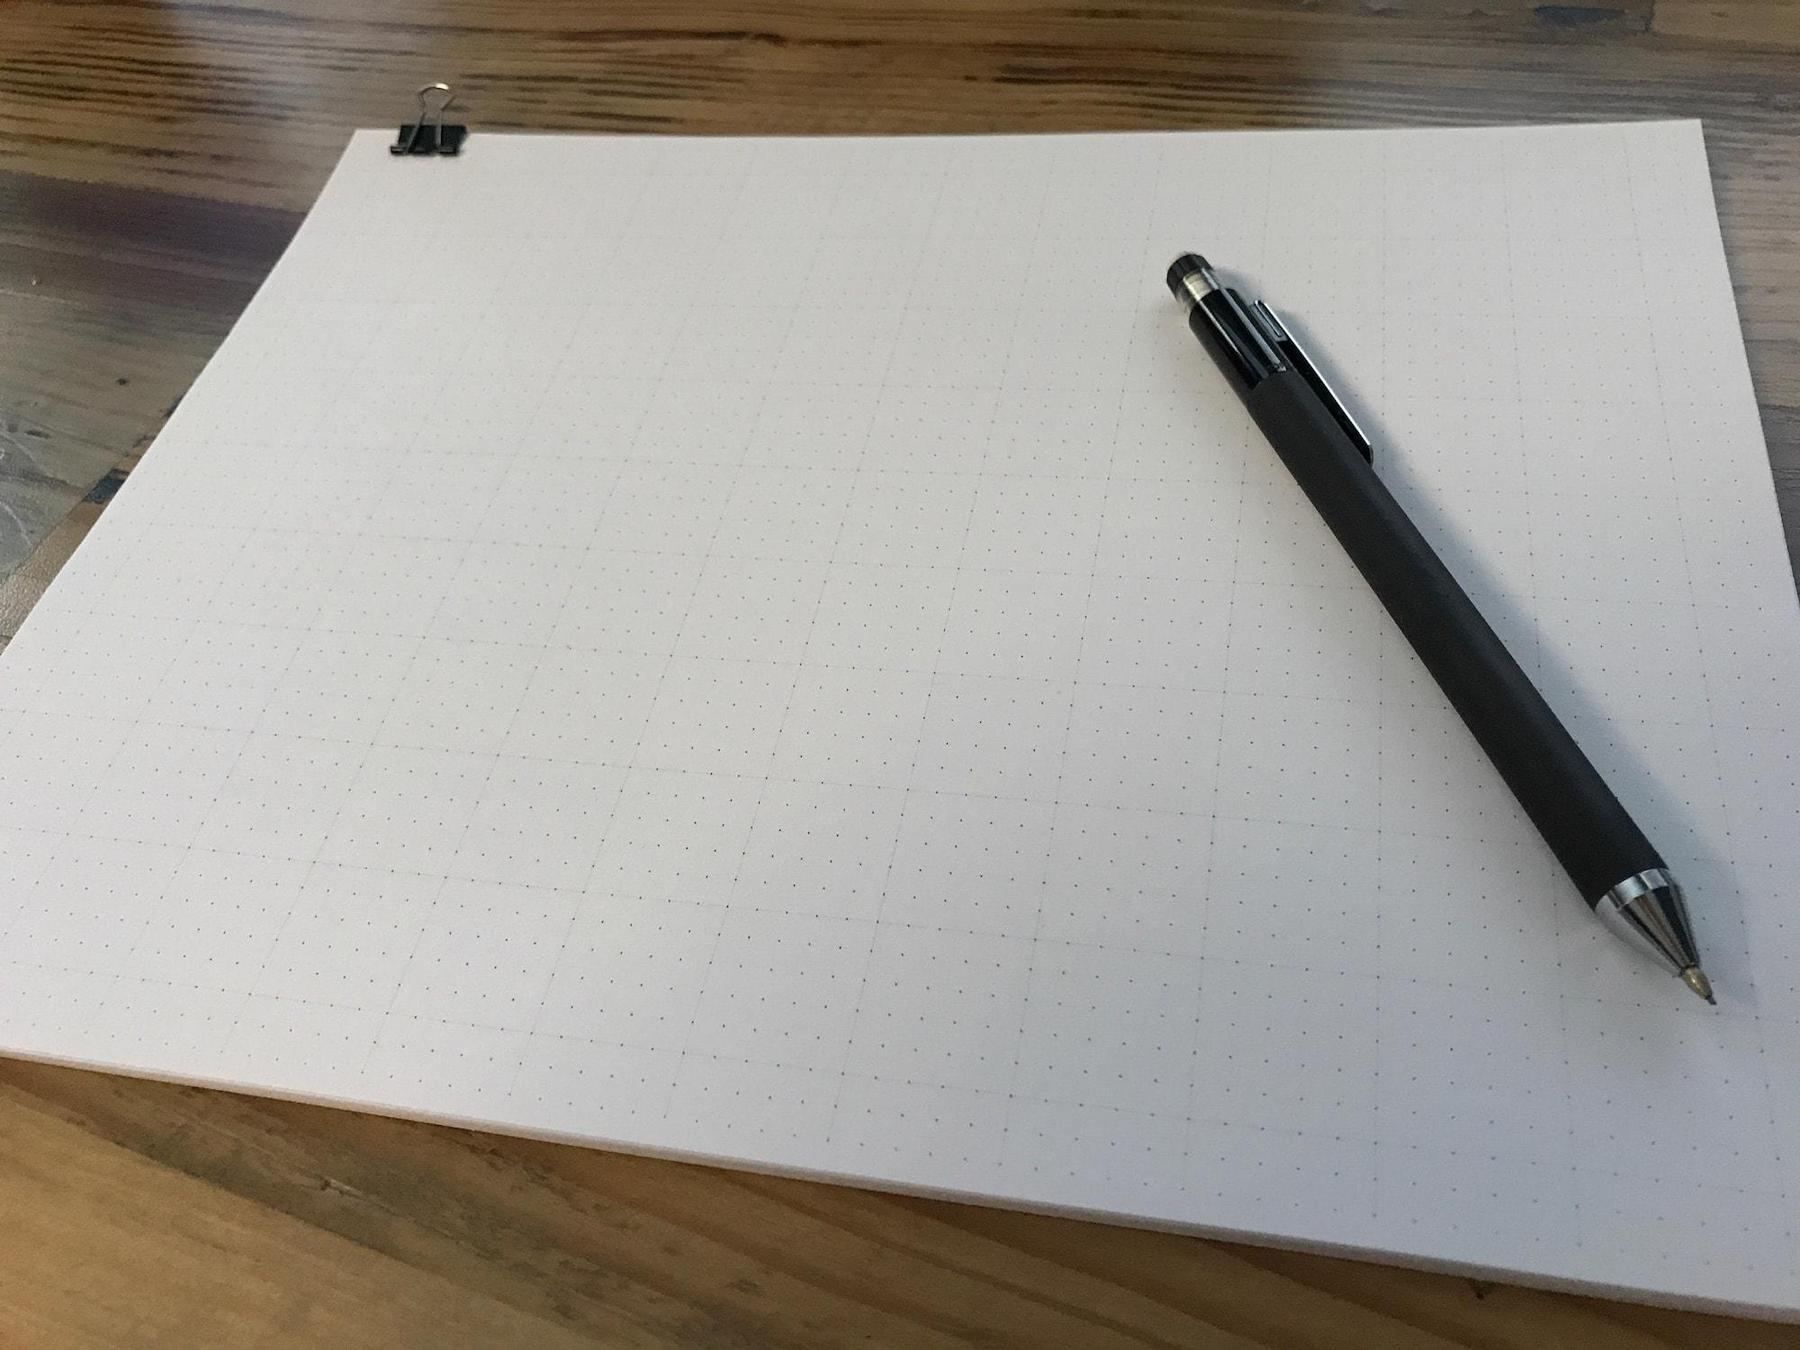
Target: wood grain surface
<point>154,160</point>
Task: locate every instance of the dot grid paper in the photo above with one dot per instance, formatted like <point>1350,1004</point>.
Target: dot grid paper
<point>785,652</point>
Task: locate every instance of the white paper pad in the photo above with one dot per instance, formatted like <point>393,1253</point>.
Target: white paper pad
<point>786,652</point>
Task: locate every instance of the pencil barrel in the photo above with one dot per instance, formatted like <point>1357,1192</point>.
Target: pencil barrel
<point>1590,833</point>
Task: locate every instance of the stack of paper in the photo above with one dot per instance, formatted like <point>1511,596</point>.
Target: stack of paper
<point>785,652</point>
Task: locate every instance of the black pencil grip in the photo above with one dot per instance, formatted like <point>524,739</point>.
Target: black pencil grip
<point>1588,830</point>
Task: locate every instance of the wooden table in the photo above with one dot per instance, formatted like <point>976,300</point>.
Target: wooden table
<point>155,158</point>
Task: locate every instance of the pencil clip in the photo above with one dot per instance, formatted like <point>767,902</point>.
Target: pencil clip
<point>430,134</point>
<point>1296,355</point>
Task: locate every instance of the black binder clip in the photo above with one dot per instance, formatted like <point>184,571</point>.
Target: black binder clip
<point>431,134</point>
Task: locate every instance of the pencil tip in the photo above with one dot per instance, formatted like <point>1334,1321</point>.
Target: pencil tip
<point>1695,978</point>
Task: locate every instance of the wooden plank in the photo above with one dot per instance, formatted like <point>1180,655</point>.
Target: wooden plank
<point>113,92</point>
<point>221,1270</point>
<point>111,301</point>
<point>1762,23</point>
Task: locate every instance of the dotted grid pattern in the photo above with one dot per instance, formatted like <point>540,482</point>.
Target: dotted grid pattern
<point>786,652</point>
